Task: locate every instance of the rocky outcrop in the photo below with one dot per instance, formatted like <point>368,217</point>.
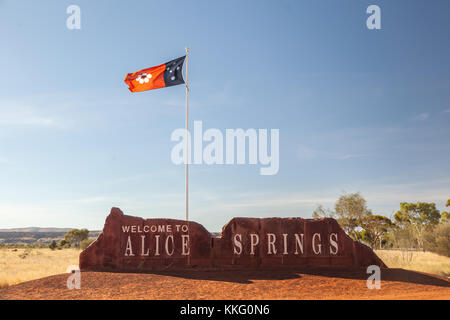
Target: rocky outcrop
<point>135,244</point>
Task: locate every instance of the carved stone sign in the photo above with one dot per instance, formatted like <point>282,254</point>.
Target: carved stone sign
<point>134,244</point>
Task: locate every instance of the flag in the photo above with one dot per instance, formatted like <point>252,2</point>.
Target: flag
<point>165,75</point>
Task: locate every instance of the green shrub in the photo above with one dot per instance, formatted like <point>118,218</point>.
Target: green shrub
<point>402,238</point>
<point>76,236</point>
<point>64,244</point>
<point>85,243</point>
<point>438,240</point>
<point>53,245</point>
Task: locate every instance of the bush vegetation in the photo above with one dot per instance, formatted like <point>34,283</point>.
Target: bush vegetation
<point>418,225</point>
<point>85,243</point>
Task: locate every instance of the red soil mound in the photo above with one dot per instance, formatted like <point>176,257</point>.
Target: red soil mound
<point>287,283</point>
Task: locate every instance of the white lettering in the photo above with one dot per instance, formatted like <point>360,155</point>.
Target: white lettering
<point>157,245</point>
<point>374,21</point>
<point>185,244</point>
<point>333,243</point>
<point>237,244</point>
<point>271,238</point>
<point>128,249</point>
<point>314,244</point>
<point>254,241</point>
<point>144,254</point>
<point>299,242</point>
<point>169,253</point>
<point>73,22</point>
<point>285,243</point>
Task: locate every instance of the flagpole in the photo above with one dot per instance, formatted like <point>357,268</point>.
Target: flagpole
<point>187,135</point>
<point>188,154</point>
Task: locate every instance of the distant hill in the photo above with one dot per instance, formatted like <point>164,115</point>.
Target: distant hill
<point>36,235</point>
<point>36,229</point>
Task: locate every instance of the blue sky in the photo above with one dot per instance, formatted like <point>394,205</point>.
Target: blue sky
<point>357,109</point>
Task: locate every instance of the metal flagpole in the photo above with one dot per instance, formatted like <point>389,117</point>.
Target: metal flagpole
<point>187,135</point>
<point>188,154</point>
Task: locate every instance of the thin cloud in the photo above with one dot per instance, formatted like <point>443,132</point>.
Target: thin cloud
<point>16,113</point>
<point>350,156</point>
<point>89,200</point>
<point>307,153</point>
<point>383,198</point>
<point>29,121</point>
<point>421,117</point>
<point>282,202</point>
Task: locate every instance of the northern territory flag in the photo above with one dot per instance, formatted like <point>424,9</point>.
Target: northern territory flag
<point>165,75</point>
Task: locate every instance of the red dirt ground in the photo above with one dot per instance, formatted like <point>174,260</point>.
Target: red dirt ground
<point>290,283</point>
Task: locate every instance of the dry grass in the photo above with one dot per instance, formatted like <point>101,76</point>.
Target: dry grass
<point>19,265</point>
<point>416,260</point>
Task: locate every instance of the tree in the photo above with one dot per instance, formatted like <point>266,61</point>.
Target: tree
<point>53,245</point>
<point>438,240</point>
<point>402,237</point>
<point>375,226</point>
<point>445,217</point>
<point>321,212</point>
<point>363,236</point>
<point>421,216</point>
<point>64,244</point>
<point>401,219</point>
<point>75,236</point>
<point>350,209</point>
<point>85,243</point>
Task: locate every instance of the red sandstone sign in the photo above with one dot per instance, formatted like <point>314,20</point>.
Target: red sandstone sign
<point>134,244</point>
